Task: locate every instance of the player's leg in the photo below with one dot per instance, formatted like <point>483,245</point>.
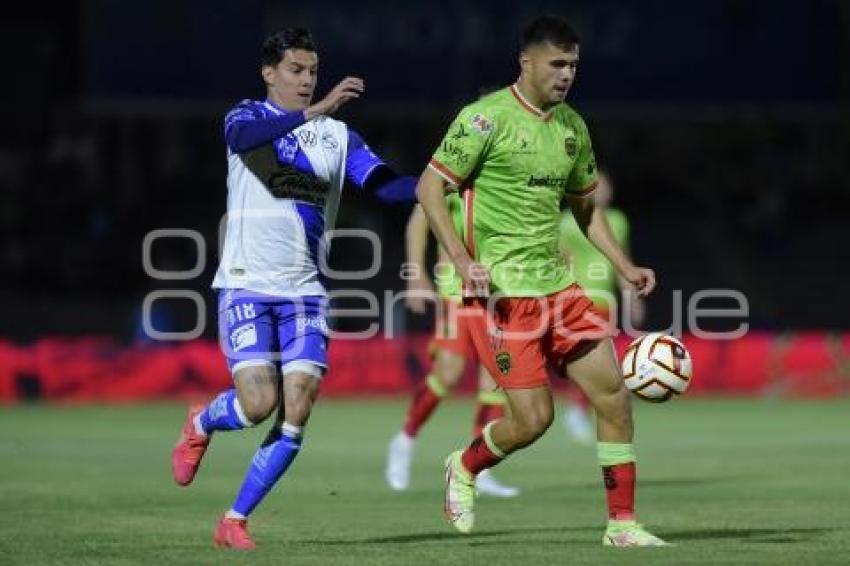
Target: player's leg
<point>247,340</point>
<point>508,345</point>
<point>447,369</point>
<point>529,415</point>
<point>577,415</point>
<point>490,406</point>
<point>578,422</point>
<point>597,372</point>
<point>450,350</point>
<point>490,401</point>
<point>302,333</point>
<point>275,455</point>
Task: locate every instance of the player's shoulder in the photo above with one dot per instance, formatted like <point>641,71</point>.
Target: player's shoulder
<point>246,108</point>
<point>485,113</point>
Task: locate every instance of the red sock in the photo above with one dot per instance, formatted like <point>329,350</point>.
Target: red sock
<point>486,413</point>
<point>620,490</point>
<point>424,403</point>
<point>478,456</point>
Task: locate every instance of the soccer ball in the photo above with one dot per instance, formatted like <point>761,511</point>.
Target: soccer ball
<point>656,367</point>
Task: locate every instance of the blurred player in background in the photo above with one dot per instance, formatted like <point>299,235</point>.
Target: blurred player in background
<point>287,161</point>
<point>450,350</point>
<point>517,156</point>
<point>598,277</point>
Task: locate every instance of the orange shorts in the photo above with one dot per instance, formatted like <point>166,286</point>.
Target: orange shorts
<point>523,336</point>
<point>451,330</point>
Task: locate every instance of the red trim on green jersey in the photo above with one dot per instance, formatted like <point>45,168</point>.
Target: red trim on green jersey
<point>468,200</point>
<point>527,105</point>
<point>445,172</point>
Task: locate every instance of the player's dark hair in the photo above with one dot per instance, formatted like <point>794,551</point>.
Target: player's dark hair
<point>549,29</point>
<point>277,43</point>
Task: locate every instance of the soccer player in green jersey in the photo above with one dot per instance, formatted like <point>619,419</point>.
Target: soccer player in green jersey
<point>450,349</point>
<point>598,278</point>
<point>515,156</point>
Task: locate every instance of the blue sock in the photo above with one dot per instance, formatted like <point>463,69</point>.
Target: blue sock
<point>270,462</point>
<point>223,413</point>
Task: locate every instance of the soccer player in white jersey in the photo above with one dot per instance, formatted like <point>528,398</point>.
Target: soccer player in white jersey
<point>287,161</point>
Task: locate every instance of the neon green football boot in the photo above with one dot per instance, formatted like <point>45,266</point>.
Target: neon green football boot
<point>628,534</point>
<point>459,504</point>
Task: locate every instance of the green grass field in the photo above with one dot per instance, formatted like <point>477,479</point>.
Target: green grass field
<point>730,482</point>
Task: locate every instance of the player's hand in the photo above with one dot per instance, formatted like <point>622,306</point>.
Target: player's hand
<point>420,291</point>
<point>348,89</point>
<point>476,279</point>
<point>642,279</point>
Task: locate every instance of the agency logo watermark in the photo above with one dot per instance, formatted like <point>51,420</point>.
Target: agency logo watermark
<point>699,314</point>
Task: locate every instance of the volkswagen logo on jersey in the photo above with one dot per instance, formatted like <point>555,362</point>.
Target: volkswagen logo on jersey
<point>308,137</point>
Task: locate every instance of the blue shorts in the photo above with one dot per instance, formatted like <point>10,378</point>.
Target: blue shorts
<point>290,333</point>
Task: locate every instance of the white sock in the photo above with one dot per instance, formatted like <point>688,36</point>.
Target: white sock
<point>231,514</point>
<point>199,429</point>
<point>291,431</point>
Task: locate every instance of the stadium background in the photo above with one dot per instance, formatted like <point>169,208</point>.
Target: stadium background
<point>725,125</point>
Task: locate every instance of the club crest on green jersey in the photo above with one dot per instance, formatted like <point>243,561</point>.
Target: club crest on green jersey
<point>481,124</point>
<point>571,147</point>
<point>503,362</point>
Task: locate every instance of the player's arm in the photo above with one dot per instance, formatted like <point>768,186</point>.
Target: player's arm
<point>419,284</point>
<point>636,303</point>
<point>368,171</point>
<point>592,222</point>
<point>247,127</point>
<point>431,192</point>
<point>463,147</point>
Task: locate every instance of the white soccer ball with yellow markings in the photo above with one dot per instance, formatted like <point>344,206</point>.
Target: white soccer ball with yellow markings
<point>657,367</point>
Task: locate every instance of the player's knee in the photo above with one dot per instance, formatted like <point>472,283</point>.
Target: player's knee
<point>447,379</point>
<point>298,410</point>
<point>541,420</point>
<point>258,407</point>
<point>534,423</point>
<point>299,397</point>
<point>448,369</point>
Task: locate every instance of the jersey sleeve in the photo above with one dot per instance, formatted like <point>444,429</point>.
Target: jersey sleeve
<point>360,160</point>
<point>464,145</point>
<point>248,126</point>
<point>245,111</point>
<point>582,179</point>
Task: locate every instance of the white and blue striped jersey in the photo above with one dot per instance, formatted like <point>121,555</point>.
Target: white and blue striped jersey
<point>282,200</point>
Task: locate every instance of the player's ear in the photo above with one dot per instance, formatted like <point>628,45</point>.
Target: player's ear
<point>524,59</point>
<point>268,74</point>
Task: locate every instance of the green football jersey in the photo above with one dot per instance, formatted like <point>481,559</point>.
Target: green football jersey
<point>589,266</point>
<point>448,282</point>
<point>513,165</point>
